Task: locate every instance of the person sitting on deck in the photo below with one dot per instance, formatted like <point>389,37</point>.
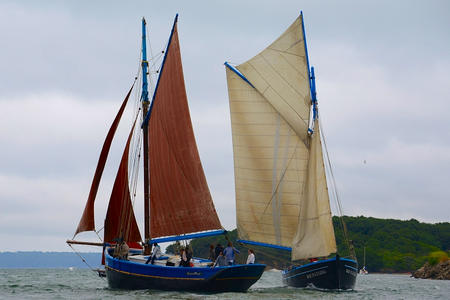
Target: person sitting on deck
<point>229,253</point>
<point>121,249</point>
<point>189,256</point>
<point>183,258</point>
<point>221,261</point>
<point>116,248</point>
<point>156,253</point>
<point>212,255</point>
<point>251,257</point>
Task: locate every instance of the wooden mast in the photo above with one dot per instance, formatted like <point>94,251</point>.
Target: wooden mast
<point>145,104</point>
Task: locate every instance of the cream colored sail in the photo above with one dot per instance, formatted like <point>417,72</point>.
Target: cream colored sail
<point>272,149</point>
<point>315,234</point>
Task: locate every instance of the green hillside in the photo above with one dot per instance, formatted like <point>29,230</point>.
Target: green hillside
<point>391,245</point>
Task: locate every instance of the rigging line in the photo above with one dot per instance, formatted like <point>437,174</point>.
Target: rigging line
<point>156,58</point>
<point>136,163</point>
<point>96,232</point>
<point>135,145</point>
<point>336,194</point>
<point>82,258</point>
<point>135,159</point>
<point>153,71</point>
<point>151,50</point>
<point>126,208</point>
<point>136,106</point>
<point>139,69</point>
<point>134,172</point>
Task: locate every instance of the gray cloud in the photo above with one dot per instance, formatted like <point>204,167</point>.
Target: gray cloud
<point>382,77</point>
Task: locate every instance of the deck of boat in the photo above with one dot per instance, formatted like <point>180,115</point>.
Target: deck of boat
<point>201,277</point>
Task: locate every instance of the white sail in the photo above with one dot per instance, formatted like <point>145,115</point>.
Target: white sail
<point>272,150</point>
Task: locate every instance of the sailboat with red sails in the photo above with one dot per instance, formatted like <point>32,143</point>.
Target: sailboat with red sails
<point>177,201</point>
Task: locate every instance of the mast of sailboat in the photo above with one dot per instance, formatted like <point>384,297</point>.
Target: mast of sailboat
<point>364,257</point>
<point>145,104</point>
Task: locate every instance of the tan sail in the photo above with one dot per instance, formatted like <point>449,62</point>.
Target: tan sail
<point>315,235</point>
<point>270,163</point>
<point>272,148</point>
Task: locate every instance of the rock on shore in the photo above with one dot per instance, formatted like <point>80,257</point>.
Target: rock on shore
<point>438,271</point>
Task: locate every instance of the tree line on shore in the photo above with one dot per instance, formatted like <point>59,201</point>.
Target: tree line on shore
<point>391,245</point>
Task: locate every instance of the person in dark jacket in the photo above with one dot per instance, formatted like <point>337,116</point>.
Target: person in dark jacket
<point>221,261</point>
<point>217,250</point>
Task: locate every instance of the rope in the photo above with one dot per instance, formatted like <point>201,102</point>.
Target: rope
<point>82,258</point>
<point>96,232</point>
<point>334,190</point>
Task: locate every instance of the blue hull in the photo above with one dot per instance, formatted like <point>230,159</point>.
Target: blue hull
<point>331,274</point>
<point>124,274</point>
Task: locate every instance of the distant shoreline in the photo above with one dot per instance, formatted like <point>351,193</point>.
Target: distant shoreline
<point>48,260</point>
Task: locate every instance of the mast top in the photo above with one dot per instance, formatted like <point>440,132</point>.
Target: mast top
<point>144,96</point>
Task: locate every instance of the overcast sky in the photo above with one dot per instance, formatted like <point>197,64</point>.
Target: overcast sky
<point>382,75</point>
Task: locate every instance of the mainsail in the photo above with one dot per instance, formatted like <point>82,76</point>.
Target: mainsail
<point>180,201</point>
<point>281,190</point>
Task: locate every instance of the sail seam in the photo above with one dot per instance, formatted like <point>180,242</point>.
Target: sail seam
<point>256,202</point>
<point>284,79</point>
<point>288,53</point>
<point>264,180</point>
<point>259,191</point>
<point>284,100</point>
<point>260,169</point>
<point>266,233</point>
<point>318,217</point>
<point>262,147</point>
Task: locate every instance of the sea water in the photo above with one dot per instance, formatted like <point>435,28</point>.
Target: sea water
<point>85,284</point>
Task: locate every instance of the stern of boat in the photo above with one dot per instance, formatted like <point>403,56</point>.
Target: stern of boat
<point>330,274</point>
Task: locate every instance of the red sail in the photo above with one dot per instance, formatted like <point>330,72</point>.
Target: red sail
<point>180,201</point>
<point>120,221</point>
<point>87,219</point>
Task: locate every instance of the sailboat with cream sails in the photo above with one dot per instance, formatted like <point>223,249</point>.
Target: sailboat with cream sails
<point>363,270</point>
<point>177,201</point>
<point>282,198</point>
